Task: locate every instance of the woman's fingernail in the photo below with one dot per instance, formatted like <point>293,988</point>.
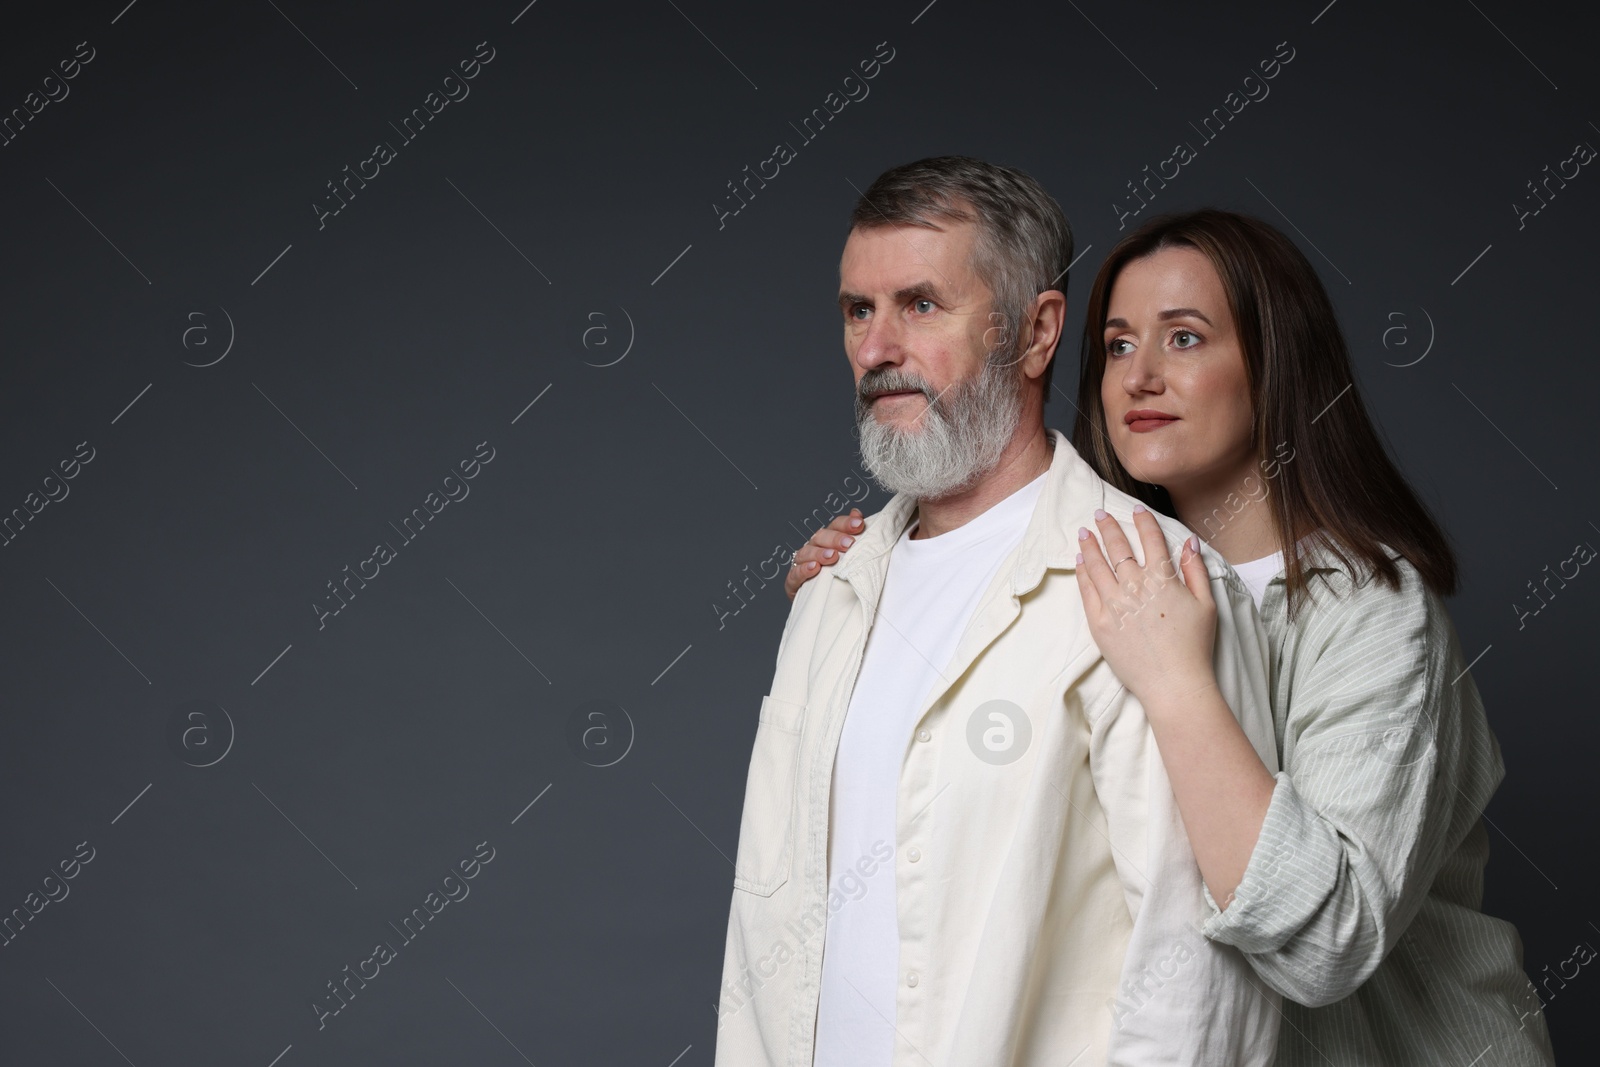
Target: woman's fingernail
<point>846,541</point>
<point>1080,557</point>
<point>1194,542</point>
<point>827,553</point>
<point>1083,534</point>
<point>1138,509</point>
<point>1099,515</point>
<point>855,522</point>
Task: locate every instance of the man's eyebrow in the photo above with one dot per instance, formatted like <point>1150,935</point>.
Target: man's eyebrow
<point>1170,313</point>
<point>901,295</point>
<point>923,288</point>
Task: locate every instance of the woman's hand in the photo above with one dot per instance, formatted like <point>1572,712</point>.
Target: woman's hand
<point>1155,623</point>
<point>823,550</point>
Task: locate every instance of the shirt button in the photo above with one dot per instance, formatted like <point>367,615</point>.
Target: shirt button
<point>913,854</point>
<point>924,735</point>
<point>911,978</point>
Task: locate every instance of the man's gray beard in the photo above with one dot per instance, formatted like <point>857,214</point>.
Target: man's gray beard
<point>957,440</point>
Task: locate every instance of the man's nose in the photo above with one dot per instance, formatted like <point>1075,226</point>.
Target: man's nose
<point>879,345</point>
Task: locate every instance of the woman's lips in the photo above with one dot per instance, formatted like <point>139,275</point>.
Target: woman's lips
<point>1144,420</point>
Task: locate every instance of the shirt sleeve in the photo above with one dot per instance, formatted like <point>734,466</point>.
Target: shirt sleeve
<point>1376,795</point>
<point>1182,999</point>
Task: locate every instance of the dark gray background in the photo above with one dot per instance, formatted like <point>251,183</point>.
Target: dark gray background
<point>573,189</point>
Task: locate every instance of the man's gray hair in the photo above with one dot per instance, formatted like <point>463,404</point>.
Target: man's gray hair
<point>1023,245</point>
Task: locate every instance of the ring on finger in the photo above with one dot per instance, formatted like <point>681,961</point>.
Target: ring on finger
<point>1119,563</point>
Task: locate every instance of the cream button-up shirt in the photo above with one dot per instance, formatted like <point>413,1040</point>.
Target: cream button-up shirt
<point>1363,897</point>
<point>1053,914</point>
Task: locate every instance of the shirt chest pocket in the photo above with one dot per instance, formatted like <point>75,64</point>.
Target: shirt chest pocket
<point>766,828</point>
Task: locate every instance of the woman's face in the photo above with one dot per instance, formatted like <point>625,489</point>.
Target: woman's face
<point>1175,391</point>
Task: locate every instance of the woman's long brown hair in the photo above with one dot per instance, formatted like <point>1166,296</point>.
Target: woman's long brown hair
<point>1339,487</point>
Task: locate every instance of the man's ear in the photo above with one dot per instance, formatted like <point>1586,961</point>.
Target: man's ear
<point>1046,319</point>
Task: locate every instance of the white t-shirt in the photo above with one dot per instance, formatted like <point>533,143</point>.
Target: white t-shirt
<point>1258,572</point>
<point>930,592</point>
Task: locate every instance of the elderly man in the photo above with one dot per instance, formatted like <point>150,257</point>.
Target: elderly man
<point>959,846</point>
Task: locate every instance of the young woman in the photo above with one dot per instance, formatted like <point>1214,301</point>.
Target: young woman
<point>1216,386</point>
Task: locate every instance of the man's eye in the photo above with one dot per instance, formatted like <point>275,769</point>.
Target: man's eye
<point>1185,338</point>
<point>923,306</point>
<point>858,312</point>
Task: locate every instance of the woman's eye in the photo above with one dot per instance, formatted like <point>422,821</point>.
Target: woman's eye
<point>1185,339</point>
<point>1115,348</point>
<point>922,307</point>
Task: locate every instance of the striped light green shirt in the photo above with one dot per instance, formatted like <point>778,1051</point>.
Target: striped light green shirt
<point>1363,896</point>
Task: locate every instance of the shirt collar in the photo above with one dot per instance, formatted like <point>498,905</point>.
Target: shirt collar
<point>1317,557</point>
<point>1072,491</point>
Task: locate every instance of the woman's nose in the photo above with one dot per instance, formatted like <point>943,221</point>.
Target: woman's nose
<point>1142,374</point>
